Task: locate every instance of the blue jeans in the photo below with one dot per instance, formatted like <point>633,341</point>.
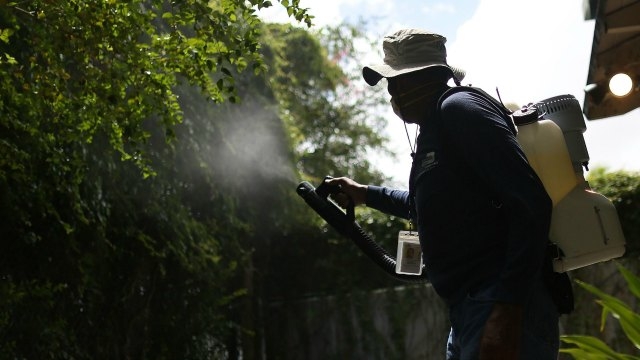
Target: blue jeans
<point>540,334</point>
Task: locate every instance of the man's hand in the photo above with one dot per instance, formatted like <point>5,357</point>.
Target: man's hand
<point>349,189</point>
<point>502,333</point>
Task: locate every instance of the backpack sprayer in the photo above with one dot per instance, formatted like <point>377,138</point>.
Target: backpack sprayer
<point>345,224</point>
<point>584,224</point>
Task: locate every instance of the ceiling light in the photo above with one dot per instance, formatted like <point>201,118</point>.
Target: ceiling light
<point>620,84</point>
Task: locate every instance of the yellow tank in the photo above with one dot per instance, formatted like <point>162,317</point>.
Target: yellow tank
<point>543,143</point>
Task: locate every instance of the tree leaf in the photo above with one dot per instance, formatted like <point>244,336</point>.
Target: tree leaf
<point>590,348</point>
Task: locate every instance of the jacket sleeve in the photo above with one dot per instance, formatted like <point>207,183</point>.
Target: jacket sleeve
<point>488,146</point>
<point>390,201</point>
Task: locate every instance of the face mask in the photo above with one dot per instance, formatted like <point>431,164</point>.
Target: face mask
<point>411,97</point>
<point>396,108</point>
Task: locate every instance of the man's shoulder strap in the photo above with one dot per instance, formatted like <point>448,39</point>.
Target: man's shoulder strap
<point>476,90</point>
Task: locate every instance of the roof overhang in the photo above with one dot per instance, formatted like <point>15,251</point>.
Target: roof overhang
<point>615,49</point>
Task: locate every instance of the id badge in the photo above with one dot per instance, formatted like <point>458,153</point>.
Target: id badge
<point>409,257</point>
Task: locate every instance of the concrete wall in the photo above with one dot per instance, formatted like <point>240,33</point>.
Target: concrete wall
<point>410,322</point>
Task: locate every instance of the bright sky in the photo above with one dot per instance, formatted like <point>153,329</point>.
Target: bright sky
<point>530,50</point>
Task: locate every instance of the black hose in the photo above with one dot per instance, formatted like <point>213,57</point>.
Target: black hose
<point>346,225</point>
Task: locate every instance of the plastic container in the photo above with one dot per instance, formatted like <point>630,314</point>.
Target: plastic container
<point>585,226</point>
<point>543,143</point>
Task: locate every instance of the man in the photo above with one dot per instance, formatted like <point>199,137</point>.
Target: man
<point>481,212</point>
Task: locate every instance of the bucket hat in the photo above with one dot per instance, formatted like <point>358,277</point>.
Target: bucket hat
<point>410,50</point>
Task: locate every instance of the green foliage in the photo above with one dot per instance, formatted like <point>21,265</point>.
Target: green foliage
<point>589,347</point>
<point>96,260</point>
<point>75,62</point>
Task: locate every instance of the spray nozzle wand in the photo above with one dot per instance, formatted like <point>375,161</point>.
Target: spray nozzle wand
<point>346,225</point>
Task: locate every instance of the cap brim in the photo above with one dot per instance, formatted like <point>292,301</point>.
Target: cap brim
<point>373,74</point>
